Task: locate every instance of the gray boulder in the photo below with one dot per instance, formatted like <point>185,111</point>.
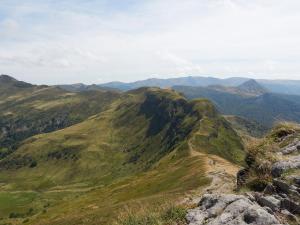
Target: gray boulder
<point>280,167</point>
<point>269,189</point>
<point>269,201</point>
<point>259,216</point>
<point>290,205</point>
<point>281,186</point>
<point>289,216</point>
<point>224,209</point>
<point>293,147</point>
<point>297,181</point>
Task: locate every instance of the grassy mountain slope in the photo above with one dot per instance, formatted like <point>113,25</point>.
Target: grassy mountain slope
<point>135,151</point>
<point>246,127</point>
<point>28,109</point>
<point>265,109</point>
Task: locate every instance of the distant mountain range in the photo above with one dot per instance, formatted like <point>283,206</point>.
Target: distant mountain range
<point>166,83</point>
<point>291,87</point>
<point>262,101</point>
<point>83,87</point>
<point>249,100</point>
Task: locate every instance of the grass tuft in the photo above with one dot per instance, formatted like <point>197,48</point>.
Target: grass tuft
<point>146,220</point>
<point>175,215</point>
<point>168,214</point>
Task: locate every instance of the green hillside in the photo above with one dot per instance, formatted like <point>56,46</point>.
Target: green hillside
<point>28,109</point>
<point>247,127</point>
<point>137,150</point>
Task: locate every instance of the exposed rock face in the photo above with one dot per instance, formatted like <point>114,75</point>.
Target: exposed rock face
<point>229,209</point>
<point>290,205</point>
<point>269,201</point>
<point>281,186</point>
<point>282,166</point>
<point>284,187</point>
<point>297,181</point>
<point>293,147</point>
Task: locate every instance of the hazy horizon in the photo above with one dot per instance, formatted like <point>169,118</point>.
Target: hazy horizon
<point>149,78</point>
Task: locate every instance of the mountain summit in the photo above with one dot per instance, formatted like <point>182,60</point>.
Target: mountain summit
<point>6,79</point>
<point>252,87</point>
<point>8,82</point>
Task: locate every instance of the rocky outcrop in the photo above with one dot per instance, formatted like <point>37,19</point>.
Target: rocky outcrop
<point>287,188</point>
<point>275,184</point>
<point>290,205</point>
<point>270,202</point>
<point>214,209</point>
<point>280,167</point>
<point>293,147</point>
<point>297,180</point>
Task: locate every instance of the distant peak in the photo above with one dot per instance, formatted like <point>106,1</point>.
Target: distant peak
<point>6,78</point>
<point>250,82</point>
<point>252,87</point>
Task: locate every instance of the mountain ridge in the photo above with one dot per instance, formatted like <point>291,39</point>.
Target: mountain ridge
<point>277,86</point>
<point>28,109</point>
<point>135,149</point>
<point>291,87</point>
<point>115,151</point>
<point>6,78</point>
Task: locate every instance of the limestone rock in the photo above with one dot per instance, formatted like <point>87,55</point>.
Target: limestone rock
<point>281,186</point>
<point>282,166</point>
<point>293,147</point>
<point>269,201</point>
<point>290,205</point>
<point>229,209</point>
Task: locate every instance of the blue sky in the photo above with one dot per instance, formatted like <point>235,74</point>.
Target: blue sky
<point>95,41</point>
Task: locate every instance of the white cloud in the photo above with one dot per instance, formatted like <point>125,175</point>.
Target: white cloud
<point>181,65</point>
<point>84,42</point>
